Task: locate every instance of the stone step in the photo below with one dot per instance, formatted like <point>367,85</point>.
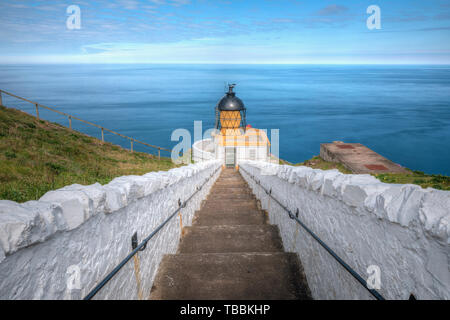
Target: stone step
<point>227,191</point>
<point>230,176</point>
<point>227,205</point>
<point>230,179</point>
<point>234,174</point>
<point>211,207</point>
<point>239,182</point>
<point>230,276</point>
<point>230,252</point>
<point>214,218</point>
<point>229,170</point>
<point>231,188</point>
<point>219,196</point>
<point>238,238</point>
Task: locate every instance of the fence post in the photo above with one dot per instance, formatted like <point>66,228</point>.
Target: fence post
<point>70,122</point>
<point>1,102</point>
<point>103,136</point>
<point>131,145</point>
<point>159,153</point>
<point>37,111</point>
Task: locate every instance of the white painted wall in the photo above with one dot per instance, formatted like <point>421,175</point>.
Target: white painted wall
<point>245,153</point>
<point>403,229</point>
<point>43,243</point>
<point>218,152</point>
<point>203,150</point>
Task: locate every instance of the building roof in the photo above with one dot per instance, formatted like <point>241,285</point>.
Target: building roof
<point>230,102</point>
<point>237,138</point>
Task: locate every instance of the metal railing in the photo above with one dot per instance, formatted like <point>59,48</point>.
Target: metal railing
<point>70,117</point>
<point>142,246</point>
<point>293,216</point>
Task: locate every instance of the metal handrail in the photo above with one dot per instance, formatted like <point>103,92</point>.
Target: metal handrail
<point>293,216</point>
<point>142,246</point>
<point>70,117</point>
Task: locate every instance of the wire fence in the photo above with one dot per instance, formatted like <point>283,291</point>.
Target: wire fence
<point>103,130</point>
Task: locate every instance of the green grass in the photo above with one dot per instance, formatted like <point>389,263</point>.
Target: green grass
<point>318,163</point>
<point>413,177</point>
<point>38,156</point>
<point>424,180</point>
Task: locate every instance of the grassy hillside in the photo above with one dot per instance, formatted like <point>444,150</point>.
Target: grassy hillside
<point>414,177</point>
<point>38,156</point>
<point>317,163</point>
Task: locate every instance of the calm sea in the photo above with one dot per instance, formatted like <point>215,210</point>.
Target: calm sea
<point>401,112</point>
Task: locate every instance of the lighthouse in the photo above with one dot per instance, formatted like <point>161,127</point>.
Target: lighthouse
<point>230,114</point>
<point>233,140</point>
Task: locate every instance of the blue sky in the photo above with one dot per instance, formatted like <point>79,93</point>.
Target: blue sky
<point>226,31</point>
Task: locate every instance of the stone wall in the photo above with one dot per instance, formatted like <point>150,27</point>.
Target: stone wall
<point>61,246</point>
<point>403,230</point>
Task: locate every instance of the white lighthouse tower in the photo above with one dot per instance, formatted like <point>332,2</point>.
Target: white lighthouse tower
<point>233,140</point>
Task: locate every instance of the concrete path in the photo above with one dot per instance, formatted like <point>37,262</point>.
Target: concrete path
<point>230,252</point>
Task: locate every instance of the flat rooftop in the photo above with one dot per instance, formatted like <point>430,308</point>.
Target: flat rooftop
<point>358,158</point>
<point>238,138</point>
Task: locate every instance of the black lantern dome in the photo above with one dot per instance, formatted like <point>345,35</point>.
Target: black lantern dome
<point>230,111</point>
<point>230,102</point>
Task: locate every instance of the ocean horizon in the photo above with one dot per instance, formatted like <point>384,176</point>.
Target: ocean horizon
<point>399,111</point>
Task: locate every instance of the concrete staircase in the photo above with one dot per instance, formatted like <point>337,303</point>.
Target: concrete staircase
<point>230,252</point>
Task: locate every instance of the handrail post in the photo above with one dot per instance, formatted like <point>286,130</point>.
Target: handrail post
<point>103,136</point>
<point>70,122</point>
<point>131,145</point>
<point>159,153</point>
<point>37,111</point>
<point>1,102</point>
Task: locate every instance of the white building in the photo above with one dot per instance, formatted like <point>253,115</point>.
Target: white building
<point>233,139</point>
